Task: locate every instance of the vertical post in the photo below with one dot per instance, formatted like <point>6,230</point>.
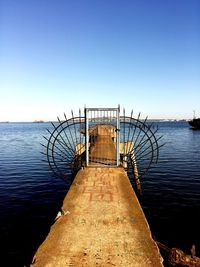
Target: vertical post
<point>86,137</point>
<point>118,135</point>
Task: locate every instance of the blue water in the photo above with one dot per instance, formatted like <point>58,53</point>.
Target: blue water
<point>30,195</point>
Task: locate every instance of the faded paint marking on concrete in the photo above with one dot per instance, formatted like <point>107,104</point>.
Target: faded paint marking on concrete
<point>104,225</point>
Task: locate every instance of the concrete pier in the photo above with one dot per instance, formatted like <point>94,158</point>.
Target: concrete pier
<point>103,150</point>
<point>102,224</point>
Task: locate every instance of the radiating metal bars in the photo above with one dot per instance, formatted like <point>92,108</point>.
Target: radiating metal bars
<point>86,139</point>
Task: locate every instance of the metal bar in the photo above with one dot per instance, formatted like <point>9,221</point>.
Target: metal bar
<point>49,142</point>
<point>74,126</point>
<point>144,135</point>
<point>86,136</point>
<point>63,145</point>
<point>101,109</point>
<point>130,128</point>
<point>140,157</point>
<point>80,125</point>
<point>144,142</point>
<point>91,122</point>
<point>124,130</point>
<point>63,129</point>
<point>49,148</point>
<point>67,121</point>
<point>126,152</point>
<point>56,129</point>
<point>137,120</point>
<point>118,135</point>
<point>140,130</point>
<point>153,149</point>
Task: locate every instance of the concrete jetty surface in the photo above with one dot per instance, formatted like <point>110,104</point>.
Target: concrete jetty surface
<point>103,151</point>
<point>102,225</point>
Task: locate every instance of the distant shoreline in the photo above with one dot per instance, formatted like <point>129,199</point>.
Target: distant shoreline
<point>41,121</point>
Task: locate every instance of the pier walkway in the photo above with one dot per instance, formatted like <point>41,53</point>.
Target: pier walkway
<point>102,223</point>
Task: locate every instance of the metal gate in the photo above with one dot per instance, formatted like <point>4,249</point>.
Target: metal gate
<point>102,136</point>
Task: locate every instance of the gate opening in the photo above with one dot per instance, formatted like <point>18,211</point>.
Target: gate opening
<point>102,136</point>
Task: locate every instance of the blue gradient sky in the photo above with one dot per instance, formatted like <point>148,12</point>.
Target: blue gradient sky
<point>57,55</point>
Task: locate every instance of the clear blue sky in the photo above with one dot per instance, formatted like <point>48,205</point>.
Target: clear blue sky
<point>57,55</point>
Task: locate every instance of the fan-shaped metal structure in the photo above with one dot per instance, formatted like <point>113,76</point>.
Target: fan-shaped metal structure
<point>65,145</point>
<point>139,146</point>
<point>71,141</point>
<point>140,142</point>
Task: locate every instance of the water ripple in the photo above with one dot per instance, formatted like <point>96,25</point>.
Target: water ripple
<point>31,196</point>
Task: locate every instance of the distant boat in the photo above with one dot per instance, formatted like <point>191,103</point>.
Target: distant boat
<point>195,123</point>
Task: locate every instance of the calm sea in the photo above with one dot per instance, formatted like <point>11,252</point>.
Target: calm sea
<point>30,196</point>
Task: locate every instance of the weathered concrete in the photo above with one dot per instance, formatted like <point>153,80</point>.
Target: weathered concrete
<point>102,225</point>
<point>103,151</point>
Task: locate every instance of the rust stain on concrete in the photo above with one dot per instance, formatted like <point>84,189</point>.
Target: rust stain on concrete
<point>102,225</point>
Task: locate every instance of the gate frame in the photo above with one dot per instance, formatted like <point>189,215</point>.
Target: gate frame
<point>117,110</point>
